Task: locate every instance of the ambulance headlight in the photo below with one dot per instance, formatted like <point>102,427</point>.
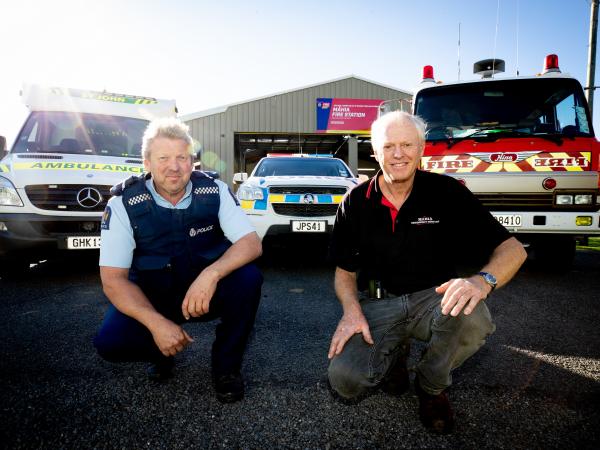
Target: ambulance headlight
<point>246,192</point>
<point>8,194</point>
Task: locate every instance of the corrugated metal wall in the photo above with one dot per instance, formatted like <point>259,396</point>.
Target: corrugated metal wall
<point>291,112</point>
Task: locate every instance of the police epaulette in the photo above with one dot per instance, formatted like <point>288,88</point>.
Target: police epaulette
<point>118,189</point>
<point>205,174</point>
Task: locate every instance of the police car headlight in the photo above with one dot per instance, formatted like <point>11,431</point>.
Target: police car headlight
<point>250,193</point>
<point>8,194</point>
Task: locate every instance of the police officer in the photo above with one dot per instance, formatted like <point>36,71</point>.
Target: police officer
<point>177,247</point>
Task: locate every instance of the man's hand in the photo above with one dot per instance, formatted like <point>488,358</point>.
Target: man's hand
<point>462,293</point>
<point>170,337</point>
<point>199,294</point>
<point>350,324</point>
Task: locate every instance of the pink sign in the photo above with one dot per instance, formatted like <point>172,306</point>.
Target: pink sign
<point>346,115</point>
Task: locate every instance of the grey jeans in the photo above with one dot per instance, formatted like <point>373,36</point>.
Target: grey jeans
<point>393,321</point>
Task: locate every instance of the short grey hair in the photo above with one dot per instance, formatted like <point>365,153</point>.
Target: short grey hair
<point>379,126</point>
<point>167,127</point>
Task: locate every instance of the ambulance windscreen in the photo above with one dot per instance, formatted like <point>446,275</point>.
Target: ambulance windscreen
<point>72,133</point>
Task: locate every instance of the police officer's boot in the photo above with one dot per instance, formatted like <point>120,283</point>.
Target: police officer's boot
<point>161,369</point>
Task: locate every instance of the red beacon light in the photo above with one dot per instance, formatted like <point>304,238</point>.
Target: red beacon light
<point>551,64</point>
<point>428,75</point>
<point>549,184</point>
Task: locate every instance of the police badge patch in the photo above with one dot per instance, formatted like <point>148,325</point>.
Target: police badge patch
<point>106,219</point>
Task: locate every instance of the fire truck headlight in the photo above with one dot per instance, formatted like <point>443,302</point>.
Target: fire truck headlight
<point>584,199</point>
<point>564,199</point>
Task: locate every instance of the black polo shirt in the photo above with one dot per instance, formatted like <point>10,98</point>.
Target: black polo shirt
<point>440,226</point>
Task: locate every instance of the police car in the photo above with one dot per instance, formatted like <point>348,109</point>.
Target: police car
<point>294,194</point>
<point>55,181</point>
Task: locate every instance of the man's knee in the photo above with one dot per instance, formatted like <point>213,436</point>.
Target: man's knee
<point>242,286</point>
<point>474,328</point>
<point>346,379</point>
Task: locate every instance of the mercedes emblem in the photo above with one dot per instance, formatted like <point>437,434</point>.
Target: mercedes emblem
<point>89,197</point>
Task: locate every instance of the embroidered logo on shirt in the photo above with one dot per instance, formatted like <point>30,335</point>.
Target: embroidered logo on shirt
<point>196,231</point>
<point>425,220</point>
<point>106,218</point>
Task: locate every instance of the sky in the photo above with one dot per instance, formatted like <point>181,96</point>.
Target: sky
<point>206,54</point>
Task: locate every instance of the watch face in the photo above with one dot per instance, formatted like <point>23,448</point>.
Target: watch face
<point>489,278</point>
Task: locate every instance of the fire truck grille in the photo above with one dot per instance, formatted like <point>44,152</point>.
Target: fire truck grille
<point>526,202</point>
<point>506,202</point>
<point>305,210</point>
<point>332,190</point>
<point>68,197</point>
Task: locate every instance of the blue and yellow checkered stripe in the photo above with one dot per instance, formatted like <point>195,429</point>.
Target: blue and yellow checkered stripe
<point>287,198</point>
<point>3,168</point>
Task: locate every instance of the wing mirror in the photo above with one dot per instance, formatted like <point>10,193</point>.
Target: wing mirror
<point>240,177</point>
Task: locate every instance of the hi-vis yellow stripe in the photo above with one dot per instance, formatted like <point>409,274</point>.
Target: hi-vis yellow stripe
<point>247,204</point>
<point>78,166</point>
<point>3,168</point>
<point>276,198</point>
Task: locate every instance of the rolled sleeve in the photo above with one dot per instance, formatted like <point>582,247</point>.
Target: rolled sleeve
<point>232,219</point>
<point>116,238</point>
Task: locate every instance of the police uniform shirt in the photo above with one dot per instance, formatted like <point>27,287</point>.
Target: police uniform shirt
<point>117,239</point>
<point>441,227</point>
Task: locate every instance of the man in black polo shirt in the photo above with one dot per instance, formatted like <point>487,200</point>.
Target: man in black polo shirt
<point>396,243</point>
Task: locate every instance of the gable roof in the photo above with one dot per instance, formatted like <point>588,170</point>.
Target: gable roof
<point>221,109</point>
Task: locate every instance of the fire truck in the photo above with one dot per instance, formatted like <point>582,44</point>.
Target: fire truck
<point>525,146</point>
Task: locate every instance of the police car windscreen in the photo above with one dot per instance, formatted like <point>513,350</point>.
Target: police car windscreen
<point>72,133</point>
<point>525,106</point>
<point>301,166</point>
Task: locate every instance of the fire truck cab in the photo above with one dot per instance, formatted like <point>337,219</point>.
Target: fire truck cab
<point>525,146</point>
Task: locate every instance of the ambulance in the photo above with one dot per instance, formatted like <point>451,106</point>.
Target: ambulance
<point>524,146</point>
<point>55,180</point>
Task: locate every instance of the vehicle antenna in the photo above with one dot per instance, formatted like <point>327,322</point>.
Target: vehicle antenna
<point>518,28</point>
<point>496,38</point>
<point>458,51</point>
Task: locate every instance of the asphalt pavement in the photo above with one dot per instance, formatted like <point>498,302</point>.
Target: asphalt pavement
<point>535,384</point>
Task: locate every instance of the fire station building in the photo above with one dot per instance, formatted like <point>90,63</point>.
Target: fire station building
<point>326,118</point>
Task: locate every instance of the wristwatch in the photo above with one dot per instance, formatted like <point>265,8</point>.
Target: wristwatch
<point>489,279</point>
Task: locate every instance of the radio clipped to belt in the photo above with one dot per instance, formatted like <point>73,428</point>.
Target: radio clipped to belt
<point>376,290</point>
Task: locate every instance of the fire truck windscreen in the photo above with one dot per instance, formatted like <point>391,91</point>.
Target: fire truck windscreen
<point>552,106</point>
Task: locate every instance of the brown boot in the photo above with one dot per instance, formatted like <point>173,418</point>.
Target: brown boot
<point>396,382</point>
<point>435,411</point>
